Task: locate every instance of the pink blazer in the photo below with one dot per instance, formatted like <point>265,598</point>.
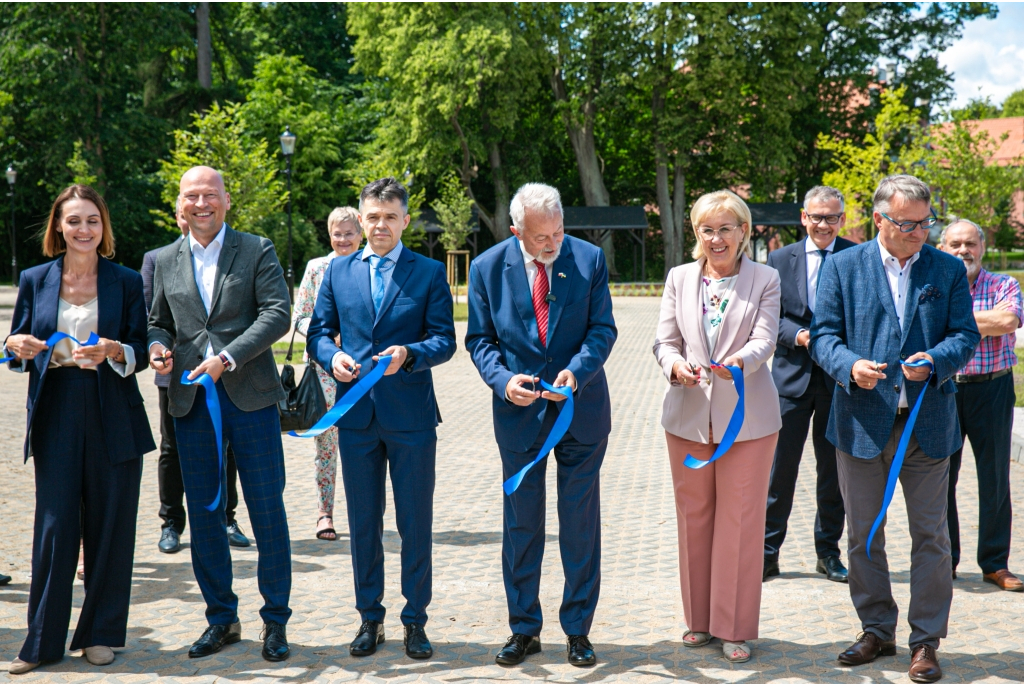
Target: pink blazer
<point>749,330</point>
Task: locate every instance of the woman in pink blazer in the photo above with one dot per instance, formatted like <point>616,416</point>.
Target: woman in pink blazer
<point>722,307</point>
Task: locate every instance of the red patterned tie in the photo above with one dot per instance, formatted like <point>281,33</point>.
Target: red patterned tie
<point>540,302</point>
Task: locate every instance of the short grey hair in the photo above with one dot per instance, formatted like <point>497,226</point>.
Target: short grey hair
<point>910,188</point>
<point>981,232</point>
<point>539,197</point>
<point>825,193</point>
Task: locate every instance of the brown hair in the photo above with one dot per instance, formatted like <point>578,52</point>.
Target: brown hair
<point>53,240</point>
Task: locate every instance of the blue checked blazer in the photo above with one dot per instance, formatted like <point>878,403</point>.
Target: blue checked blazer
<point>502,337</point>
<point>856,319</point>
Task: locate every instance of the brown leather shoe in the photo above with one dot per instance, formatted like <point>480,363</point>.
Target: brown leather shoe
<point>1004,580</point>
<point>924,665</point>
<point>866,649</point>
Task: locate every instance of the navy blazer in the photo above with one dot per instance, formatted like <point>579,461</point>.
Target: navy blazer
<point>856,319</point>
<point>503,340</point>
<point>122,316</point>
<point>416,313</point>
<point>791,367</point>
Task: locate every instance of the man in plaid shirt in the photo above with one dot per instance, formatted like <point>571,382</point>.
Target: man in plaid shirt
<point>984,402</point>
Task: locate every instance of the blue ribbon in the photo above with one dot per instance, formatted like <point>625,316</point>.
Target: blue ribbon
<point>213,407</point>
<point>56,338</point>
<point>735,422</point>
<point>554,437</point>
<point>901,451</point>
<point>341,407</point>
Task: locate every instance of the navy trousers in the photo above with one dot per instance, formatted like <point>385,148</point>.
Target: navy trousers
<point>796,419</point>
<point>255,437</point>
<point>366,457</point>
<point>79,495</point>
<point>579,532</point>
<point>985,411</point>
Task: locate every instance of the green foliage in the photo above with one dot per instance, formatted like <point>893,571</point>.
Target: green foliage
<point>454,212</point>
<point>1013,105</point>
<point>978,108</point>
<point>895,145</point>
<point>219,140</point>
<point>78,165</point>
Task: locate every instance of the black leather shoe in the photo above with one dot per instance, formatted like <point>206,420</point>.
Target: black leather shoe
<point>275,642</point>
<point>370,634</point>
<point>833,569</point>
<point>580,651</point>
<point>214,638</point>
<point>236,538</point>
<point>771,568</point>
<point>417,646</point>
<point>170,541</point>
<point>517,648</point>
<point>4,579</point>
<point>866,649</point>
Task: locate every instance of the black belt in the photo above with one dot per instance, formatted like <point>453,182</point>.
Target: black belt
<point>902,411</point>
<point>979,377</point>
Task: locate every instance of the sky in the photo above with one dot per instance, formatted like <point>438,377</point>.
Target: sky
<point>989,59</point>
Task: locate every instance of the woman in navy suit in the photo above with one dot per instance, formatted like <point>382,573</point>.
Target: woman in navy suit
<point>87,428</point>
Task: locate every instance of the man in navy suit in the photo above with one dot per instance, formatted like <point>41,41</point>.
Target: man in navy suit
<point>882,305</point>
<point>387,301</point>
<point>563,334</point>
<point>804,389</point>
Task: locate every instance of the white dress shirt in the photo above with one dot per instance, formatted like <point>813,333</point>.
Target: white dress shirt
<point>898,278</point>
<point>814,263</point>
<point>204,265</point>
<point>531,268</point>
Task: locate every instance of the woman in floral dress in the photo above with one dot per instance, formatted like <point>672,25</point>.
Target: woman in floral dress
<point>343,227</point>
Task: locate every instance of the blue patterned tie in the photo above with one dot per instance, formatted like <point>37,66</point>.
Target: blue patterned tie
<point>378,265</point>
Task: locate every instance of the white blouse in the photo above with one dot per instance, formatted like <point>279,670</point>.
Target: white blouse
<point>715,296</point>
<point>79,321</point>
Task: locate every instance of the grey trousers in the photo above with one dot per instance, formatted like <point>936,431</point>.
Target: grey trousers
<point>925,482</point>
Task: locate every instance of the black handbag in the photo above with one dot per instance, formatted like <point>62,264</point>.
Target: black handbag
<point>305,403</point>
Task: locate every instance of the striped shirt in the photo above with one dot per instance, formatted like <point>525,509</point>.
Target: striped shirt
<point>995,353</point>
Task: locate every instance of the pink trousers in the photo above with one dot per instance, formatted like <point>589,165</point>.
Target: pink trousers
<point>720,511</point>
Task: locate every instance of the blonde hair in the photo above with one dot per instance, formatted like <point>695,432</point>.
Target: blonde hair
<point>340,215</point>
<point>719,202</point>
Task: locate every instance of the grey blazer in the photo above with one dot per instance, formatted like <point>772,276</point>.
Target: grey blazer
<point>249,312</point>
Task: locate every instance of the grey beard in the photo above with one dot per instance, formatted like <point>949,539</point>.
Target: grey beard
<point>548,259</point>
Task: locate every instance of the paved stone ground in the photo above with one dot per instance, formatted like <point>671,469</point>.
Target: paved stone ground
<point>805,620</point>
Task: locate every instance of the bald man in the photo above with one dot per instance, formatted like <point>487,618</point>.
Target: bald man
<point>219,302</point>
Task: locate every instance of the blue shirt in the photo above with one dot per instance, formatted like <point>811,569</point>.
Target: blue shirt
<point>385,273</point>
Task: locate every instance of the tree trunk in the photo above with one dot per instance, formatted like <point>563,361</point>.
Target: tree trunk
<point>671,207</point>
<point>204,47</point>
<point>595,194</point>
<point>500,221</point>
<point>679,204</point>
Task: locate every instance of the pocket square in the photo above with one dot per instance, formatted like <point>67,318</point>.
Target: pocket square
<point>929,293</point>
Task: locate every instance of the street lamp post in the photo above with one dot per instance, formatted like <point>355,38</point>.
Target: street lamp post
<point>288,149</point>
<point>12,176</point>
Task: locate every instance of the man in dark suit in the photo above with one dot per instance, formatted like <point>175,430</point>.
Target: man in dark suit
<point>883,305</point>
<point>562,334</point>
<point>172,491</point>
<point>804,389</point>
<point>219,302</point>
<point>387,301</point>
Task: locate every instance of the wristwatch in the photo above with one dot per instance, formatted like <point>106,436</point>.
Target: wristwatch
<point>225,361</point>
<point>409,363</point>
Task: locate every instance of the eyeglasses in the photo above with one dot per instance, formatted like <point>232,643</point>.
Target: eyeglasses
<point>722,232</point>
<point>911,226</point>
<point>830,219</point>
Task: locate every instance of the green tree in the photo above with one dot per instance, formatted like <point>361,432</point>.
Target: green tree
<point>978,108</point>
<point>896,144</point>
<point>1013,105</point>
<point>454,212</point>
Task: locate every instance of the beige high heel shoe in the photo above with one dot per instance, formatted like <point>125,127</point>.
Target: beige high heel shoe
<point>18,667</point>
<point>98,655</point>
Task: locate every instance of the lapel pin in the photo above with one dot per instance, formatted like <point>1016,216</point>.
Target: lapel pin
<point>561,275</point>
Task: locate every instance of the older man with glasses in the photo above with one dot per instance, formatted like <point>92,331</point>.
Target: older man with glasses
<point>805,390</point>
<point>984,405</point>
<point>893,325</point>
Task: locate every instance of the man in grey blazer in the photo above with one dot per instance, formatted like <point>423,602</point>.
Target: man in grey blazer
<point>219,302</point>
<point>882,306</point>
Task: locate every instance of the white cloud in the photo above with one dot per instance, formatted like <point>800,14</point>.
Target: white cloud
<point>987,60</point>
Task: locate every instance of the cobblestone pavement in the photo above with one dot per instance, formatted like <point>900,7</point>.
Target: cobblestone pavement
<point>805,620</point>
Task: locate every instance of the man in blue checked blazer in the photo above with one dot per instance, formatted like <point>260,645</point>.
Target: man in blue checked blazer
<point>386,301</point>
<point>887,302</point>
<point>540,309</point>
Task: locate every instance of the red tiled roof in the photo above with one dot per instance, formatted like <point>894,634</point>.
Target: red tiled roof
<point>1010,149</point>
